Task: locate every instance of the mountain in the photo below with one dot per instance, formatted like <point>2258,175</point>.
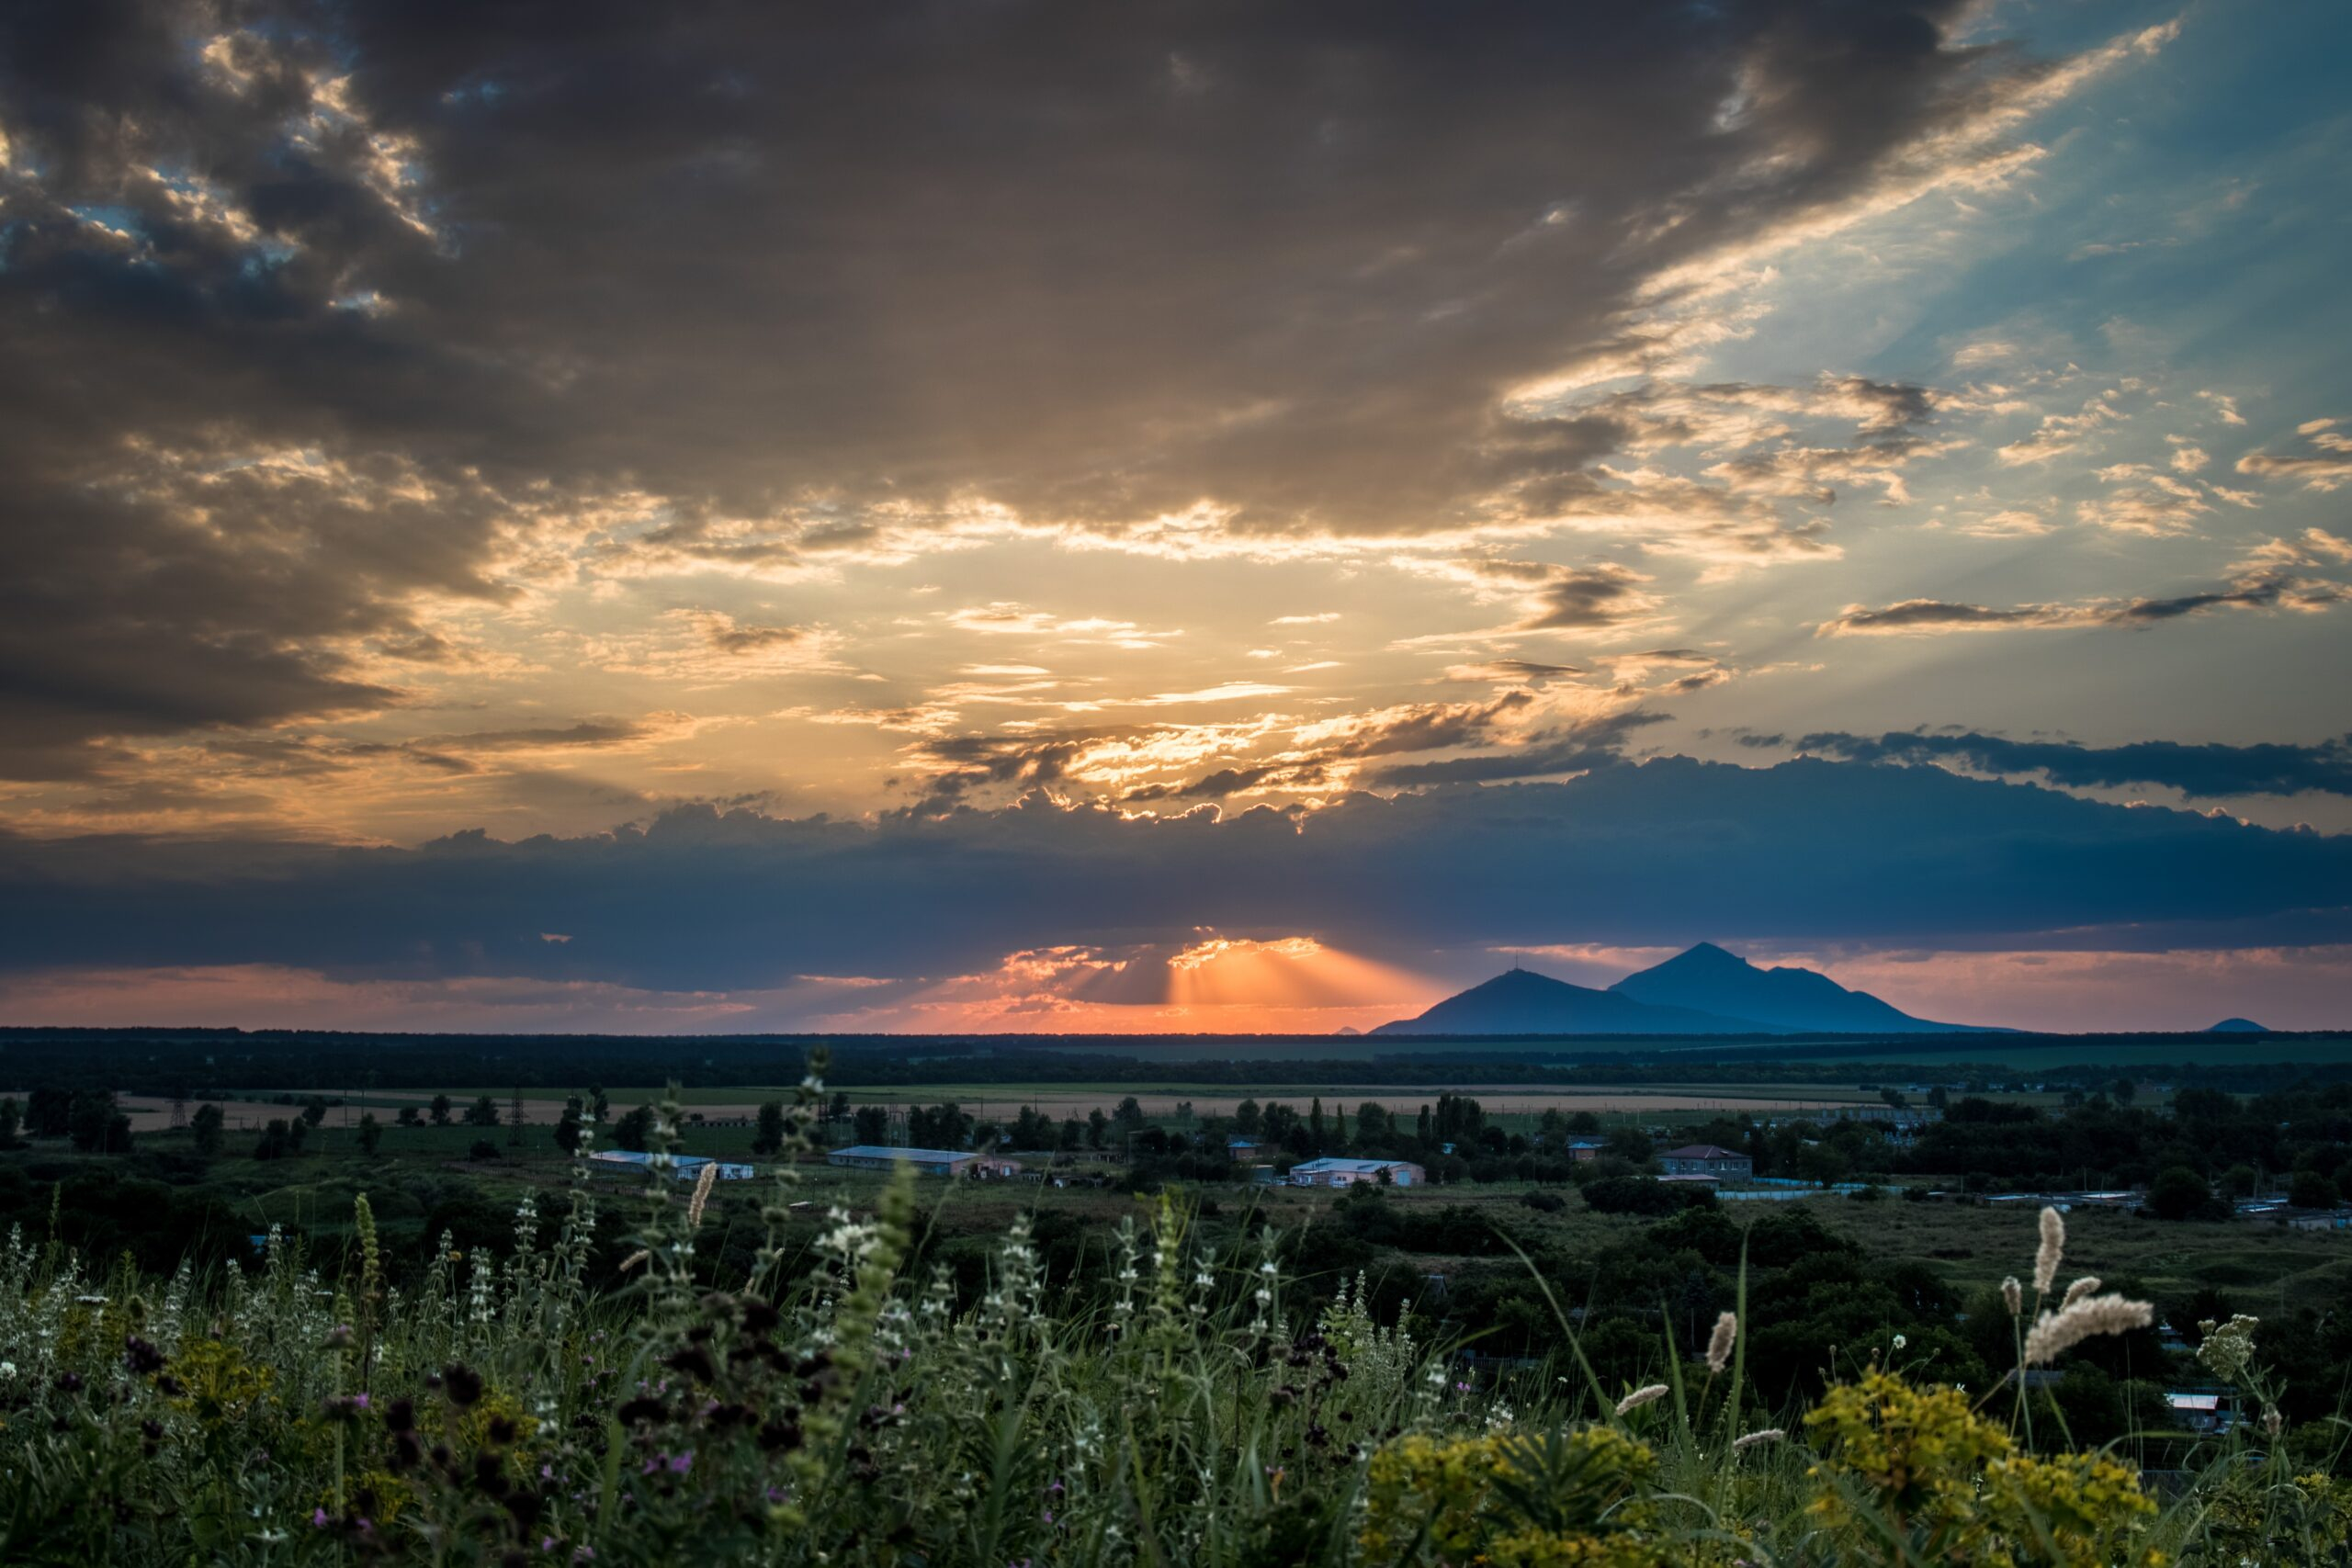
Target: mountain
<point>1524,1002</point>
<point>2236,1026</point>
<point>1707,979</point>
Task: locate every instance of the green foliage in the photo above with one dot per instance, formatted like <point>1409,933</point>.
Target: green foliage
<point>741,1382</point>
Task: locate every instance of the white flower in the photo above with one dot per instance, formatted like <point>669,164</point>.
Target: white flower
<point>1900,1341</point>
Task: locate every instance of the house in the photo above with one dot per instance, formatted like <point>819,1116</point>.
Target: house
<point>1583,1149</point>
<point>1348,1172</point>
<point>1706,1159</point>
<point>685,1168</point>
<point>2200,1411</point>
<point>927,1162</point>
<point>1241,1151</point>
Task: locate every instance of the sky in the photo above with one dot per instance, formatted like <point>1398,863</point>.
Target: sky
<point>1176,516</point>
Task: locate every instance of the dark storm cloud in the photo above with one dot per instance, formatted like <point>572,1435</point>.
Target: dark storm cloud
<point>310,310</point>
<point>1645,853</point>
<point>2197,772</point>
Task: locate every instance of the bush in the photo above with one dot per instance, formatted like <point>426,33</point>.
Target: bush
<point>1645,1195</point>
<point>483,1149</point>
<point>2178,1193</point>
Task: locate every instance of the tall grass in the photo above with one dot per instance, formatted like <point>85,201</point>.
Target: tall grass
<point>1195,1413</point>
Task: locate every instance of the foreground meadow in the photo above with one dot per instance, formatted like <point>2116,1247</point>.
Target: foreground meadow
<point>1195,1408</point>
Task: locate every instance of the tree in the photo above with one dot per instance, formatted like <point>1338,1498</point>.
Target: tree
<point>49,1113</point>
<point>871,1125</point>
<point>483,1113</point>
<point>483,1149</point>
<point>408,1117</point>
<point>205,1129</point>
<point>1098,1127</point>
<point>96,1125</point>
<point>2123,1090</point>
<point>2177,1192</point>
<point>278,1139</point>
<point>2311,1190</point>
<point>1129,1114</point>
<point>371,1133</point>
<point>12,1116</point>
<point>770,1136</point>
<point>1314,1124</point>
<point>440,1111</point>
<point>314,1109</point>
<point>1034,1130</point>
<point>598,1105</point>
<point>567,1126</point>
<point>1373,1127</point>
<point>634,1130</point>
<point>1893,1097</point>
<point>1247,1118</point>
<point>1073,1133</point>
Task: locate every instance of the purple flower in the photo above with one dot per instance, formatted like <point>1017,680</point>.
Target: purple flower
<point>318,1518</point>
<point>683,1462</point>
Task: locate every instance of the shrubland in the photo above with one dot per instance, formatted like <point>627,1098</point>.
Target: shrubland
<point>841,1388</point>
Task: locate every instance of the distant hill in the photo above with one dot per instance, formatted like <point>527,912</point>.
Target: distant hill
<point>2236,1026</point>
<point>1706,979</point>
<point>1524,1002</point>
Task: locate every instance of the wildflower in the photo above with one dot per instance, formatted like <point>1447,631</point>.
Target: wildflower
<point>2078,1290</point>
<point>462,1383</point>
<point>1901,1340</point>
<point>702,1194</point>
<point>1719,1344</point>
<point>2053,1333</point>
<point>2271,1420</point>
<point>2013,1295</point>
<point>1640,1397</point>
<point>2052,1252</point>
<point>634,1258</point>
<point>2229,1347</point>
<point>1758,1439</point>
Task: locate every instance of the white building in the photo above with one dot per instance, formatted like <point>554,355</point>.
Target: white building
<point>1348,1172</point>
<point>685,1168</point>
<point>927,1162</point>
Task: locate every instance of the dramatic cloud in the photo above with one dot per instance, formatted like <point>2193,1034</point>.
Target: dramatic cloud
<point>2325,463</point>
<point>1647,854</point>
<point>321,324</point>
<point>2271,580</point>
<point>2205,771</point>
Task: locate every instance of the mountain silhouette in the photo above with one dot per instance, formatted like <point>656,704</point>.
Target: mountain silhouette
<point>1703,990</point>
<point>2236,1026</point>
<point>1706,979</point>
<point>1524,1002</point>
